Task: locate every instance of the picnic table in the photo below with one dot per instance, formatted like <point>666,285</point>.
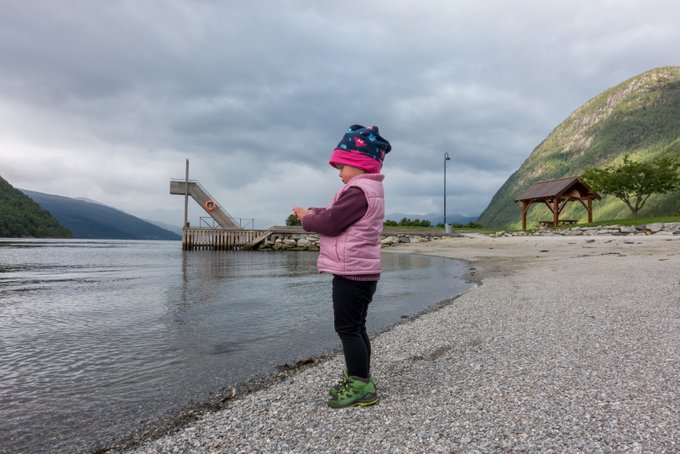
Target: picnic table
<point>560,223</point>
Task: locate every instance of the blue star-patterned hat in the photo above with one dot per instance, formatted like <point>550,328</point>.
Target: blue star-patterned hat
<point>361,147</point>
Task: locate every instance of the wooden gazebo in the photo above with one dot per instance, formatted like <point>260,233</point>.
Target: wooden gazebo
<point>556,194</point>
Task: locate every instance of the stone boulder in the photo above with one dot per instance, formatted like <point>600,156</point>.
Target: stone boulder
<point>390,240</point>
<point>656,227</point>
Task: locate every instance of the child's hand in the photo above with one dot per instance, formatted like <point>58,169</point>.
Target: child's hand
<point>301,212</point>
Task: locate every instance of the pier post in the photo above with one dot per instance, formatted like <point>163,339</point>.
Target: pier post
<point>186,196</point>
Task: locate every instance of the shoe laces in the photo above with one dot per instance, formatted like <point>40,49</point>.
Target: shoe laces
<point>347,389</point>
<point>343,383</point>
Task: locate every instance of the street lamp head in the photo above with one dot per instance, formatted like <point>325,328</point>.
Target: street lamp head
<point>446,157</point>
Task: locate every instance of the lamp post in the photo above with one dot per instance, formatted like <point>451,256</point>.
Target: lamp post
<point>447,227</point>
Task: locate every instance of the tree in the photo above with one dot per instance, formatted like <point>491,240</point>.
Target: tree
<point>634,182</point>
<point>292,220</point>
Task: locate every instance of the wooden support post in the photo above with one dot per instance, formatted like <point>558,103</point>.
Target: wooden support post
<point>590,211</point>
<point>556,213</point>
<point>525,209</point>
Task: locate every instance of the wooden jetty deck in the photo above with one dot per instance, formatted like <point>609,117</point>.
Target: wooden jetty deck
<point>205,239</point>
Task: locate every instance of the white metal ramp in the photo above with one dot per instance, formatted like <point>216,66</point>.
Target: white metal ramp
<point>205,200</point>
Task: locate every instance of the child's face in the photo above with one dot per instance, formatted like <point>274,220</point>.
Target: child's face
<point>349,172</point>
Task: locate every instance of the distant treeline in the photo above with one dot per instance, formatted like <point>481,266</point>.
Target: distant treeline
<point>407,222</point>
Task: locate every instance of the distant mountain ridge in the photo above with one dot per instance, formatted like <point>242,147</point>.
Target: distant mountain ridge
<point>640,117</point>
<point>93,220</point>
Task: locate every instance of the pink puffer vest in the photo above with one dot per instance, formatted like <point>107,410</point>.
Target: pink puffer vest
<point>356,251</point>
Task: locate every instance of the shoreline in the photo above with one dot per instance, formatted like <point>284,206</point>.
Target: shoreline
<point>222,399</point>
<point>569,344</point>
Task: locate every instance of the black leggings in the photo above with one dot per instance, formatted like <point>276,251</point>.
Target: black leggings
<point>350,306</point>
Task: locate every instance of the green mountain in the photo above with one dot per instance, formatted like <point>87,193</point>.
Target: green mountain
<point>22,217</point>
<point>92,220</point>
<point>640,117</point>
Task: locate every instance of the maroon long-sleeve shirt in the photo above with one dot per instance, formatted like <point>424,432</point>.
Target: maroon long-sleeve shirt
<point>348,209</point>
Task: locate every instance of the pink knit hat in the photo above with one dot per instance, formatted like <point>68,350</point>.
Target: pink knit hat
<point>361,147</point>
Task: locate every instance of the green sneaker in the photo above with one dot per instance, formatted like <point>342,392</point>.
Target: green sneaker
<point>357,392</point>
<point>335,389</point>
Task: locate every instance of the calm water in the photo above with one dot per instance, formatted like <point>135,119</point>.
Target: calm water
<point>100,337</point>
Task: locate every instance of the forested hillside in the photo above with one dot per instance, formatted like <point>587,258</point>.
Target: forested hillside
<point>21,217</point>
<point>640,117</point>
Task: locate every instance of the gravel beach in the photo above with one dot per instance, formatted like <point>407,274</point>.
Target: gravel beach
<point>570,344</point>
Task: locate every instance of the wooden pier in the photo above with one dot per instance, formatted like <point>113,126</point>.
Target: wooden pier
<point>202,239</point>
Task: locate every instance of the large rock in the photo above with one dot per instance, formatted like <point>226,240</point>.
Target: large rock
<point>673,227</point>
<point>656,227</point>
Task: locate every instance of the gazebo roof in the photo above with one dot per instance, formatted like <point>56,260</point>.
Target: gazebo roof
<point>569,187</point>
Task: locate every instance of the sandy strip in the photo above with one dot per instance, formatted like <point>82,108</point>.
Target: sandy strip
<point>571,344</point>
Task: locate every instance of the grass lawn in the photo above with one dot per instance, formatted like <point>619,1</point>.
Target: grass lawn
<point>464,229</point>
<point>637,221</point>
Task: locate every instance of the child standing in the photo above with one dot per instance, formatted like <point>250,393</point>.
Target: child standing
<point>349,230</point>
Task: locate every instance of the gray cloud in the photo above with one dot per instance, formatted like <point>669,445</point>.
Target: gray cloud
<point>107,99</point>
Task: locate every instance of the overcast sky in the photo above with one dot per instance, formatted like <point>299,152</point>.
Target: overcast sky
<point>106,99</point>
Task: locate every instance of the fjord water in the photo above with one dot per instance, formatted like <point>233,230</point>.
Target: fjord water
<point>98,338</point>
